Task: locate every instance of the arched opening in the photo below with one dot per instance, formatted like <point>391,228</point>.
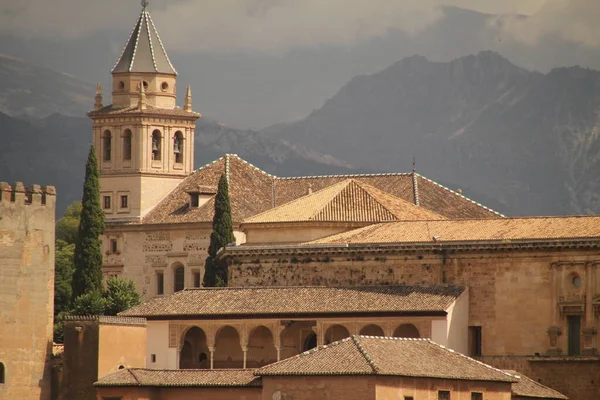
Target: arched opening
<point>127,145</point>
<point>372,330</point>
<point>178,147</point>
<point>228,351</point>
<point>295,338</point>
<point>178,278</point>
<point>310,342</point>
<point>261,348</point>
<point>2,374</point>
<point>106,145</point>
<point>407,331</point>
<point>335,333</point>
<point>156,145</point>
<point>194,352</point>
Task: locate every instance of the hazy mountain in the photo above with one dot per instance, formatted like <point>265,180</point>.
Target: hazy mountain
<point>53,151</point>
<point>525,139</point>
<point>34,91</point>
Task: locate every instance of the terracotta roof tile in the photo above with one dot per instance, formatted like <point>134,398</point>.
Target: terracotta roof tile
<point>180,378</point>
<point>310,300</point>
<point>346,201</point>
<point>527,387</point>
<point>498,229</point>
<point>370,355</point>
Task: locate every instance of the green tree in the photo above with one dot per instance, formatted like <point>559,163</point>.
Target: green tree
<point>87,277</point>
<point>120,295</point>
<point>63,276</point>
<point>67,226</point>
<point>215,271</point>
<point>90,303</point>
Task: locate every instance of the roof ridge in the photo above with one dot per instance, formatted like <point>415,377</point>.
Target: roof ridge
<point>445,285</point>
<point>127,43</point>
<point>365,354</point>
<point>251,165</point>
<point>349,176</point>
<point>460,195</point>
<point>160,43</point>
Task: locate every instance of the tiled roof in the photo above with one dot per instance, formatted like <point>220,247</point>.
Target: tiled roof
<point>144,51</point>
<point>180,378</point>
<point>477,230</point>
<point>121,110</point>
<point>526,387</point>
<point>347,201</point>
<point>292,300</point>
<point>250,192</point>
<point>58,349</point>
<point>370,355</point>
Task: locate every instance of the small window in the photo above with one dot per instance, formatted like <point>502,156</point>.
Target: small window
<point>107,202</point>
<point>576,281</point>
<point>114,246</point>
<point>443,395</point>
<point>121,85</point>
<point>164,86</point>
<point>106,145</point>
<point>476,396</point>
<point>195,200</point>
<point>196,279</point>
<point>160,283</point>
<point>153,357</point>
<point>409,398</point>
<point>2,374</point>
<point>124,201</point>
<point>145,85</point>
<point>156,145</point>
<point>474,341</point>
<point>127,145</point>
<point>178,147</point>
<point>179,279</point>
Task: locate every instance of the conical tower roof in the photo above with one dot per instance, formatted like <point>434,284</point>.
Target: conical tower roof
<point>144,51</point>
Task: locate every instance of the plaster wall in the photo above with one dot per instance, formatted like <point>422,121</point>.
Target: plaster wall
<point>26,290</point>
<point>243,393</point>
<point>279,233</point>
<point>399,388</point>
<point>319,387</point>
<point>121,346</point>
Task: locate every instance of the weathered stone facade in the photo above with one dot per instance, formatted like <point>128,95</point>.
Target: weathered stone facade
<point>26,290</point>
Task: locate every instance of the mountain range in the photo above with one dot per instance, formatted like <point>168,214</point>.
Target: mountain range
<point>521,142</point>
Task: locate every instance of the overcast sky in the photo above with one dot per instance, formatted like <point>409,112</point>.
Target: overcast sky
<point>257,62</point>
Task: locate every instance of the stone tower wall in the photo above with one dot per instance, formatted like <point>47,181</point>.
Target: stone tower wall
<point>26,289</point>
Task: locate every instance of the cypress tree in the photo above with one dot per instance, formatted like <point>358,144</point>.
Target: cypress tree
<point>87,276</point>
<point>215,271</point>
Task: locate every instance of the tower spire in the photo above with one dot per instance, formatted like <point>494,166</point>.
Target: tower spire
<point>188,99</point>
<point>98,99</point>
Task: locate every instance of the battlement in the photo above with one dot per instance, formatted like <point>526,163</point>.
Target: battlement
<point>33,195</point>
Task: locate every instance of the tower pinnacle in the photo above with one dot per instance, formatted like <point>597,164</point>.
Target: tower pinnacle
<point>188,99</point>
<point>145,3</point>
<point>98,99</point>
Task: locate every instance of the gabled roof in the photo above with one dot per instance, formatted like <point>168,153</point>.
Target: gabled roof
<point>370,355</point>
<point>141,377</point>
<point>472,230</point>
<point>299,300</point>
<point>346,201</point>
<point>529,388</point>
<point>144,52</point>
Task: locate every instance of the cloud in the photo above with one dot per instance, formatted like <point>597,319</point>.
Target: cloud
<point>575,21</point>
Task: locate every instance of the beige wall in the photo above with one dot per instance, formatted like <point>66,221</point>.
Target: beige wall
<point>128,93</point>
<point>298,233</point>
<point>26,291</point>
<point>396,388</point>
<point>500,284</point>
<point>180,393</point>
<point>318,387</point>
<point>121,346</point>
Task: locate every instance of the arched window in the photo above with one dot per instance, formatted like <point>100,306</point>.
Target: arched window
<point>2,374</point>
<point>156,145</point>
<point>178,147</point>
<point>106,145</point>
<point>179,275</point>
<point>127,145</point>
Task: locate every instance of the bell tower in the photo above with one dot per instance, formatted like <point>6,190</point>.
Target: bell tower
<point>144,142</point>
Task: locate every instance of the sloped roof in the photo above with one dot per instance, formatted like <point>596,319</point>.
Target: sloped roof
<point>370,355</point>
<point>473,230</point>
<point>526,387</point>
<point>346,201</point>
<point>180,378</point>
<point>144,51</point>
<point>250,192</point>
<point>299,300</point>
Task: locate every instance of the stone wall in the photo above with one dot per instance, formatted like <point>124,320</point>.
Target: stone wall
<point>26,290</point>
<point>576,378</point>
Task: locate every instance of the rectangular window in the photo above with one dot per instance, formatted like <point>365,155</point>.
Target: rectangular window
<point>107,202</point>
<point>195,199</point>
<point>409,398</point>
<point>160,283</point>
<point>124,201</point>
<point>114,246</point>
<point>474,341</point>
<point>574,324</point>
<point>153,357</point>
<point>196,279</point>
<point>476,396</point>
<point>443,395</point>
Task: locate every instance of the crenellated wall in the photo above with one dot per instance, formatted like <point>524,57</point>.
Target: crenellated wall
<point>27,218</point>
